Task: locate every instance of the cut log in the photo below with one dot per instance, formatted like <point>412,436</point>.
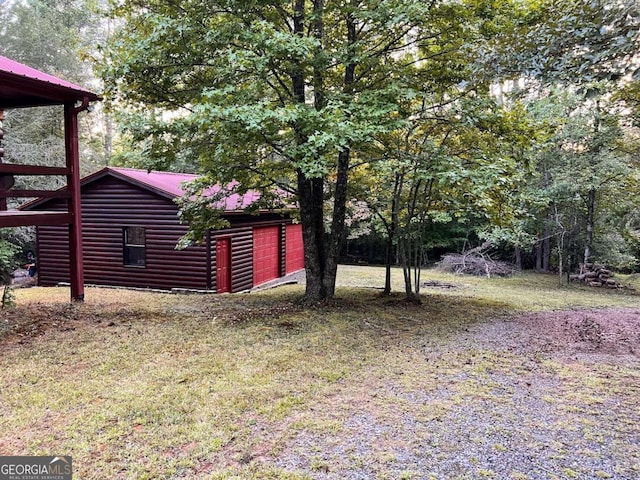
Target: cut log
<point>597,275</point>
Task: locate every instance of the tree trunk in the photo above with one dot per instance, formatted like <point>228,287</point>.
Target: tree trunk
<point>545,243</point>
<point>562,230</point>
<point>560,259</point>
<point>406,269</point>
<point>591,199</point>
<point>387,268</point>
<point>311,195</point>
<point>392,231</point>
<point>546,251</point>
<point>310,190</point>
<point>411,245</point>
<point>108,139</point>
<point>336,237</point>
<point>518,255</point>
<point>539,255</point>
<point>591,215</point>
<point>321,251</point>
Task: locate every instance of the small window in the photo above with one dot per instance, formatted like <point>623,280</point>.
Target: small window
<point>134,247</point>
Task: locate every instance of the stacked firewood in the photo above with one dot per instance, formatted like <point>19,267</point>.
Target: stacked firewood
<point>595,275</point>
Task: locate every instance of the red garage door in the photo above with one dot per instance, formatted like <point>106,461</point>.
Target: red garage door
<point>266,254</point>
<point>294,249</point>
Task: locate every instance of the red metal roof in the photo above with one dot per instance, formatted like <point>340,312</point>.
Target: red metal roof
<point>166,184</point>
<point>171,184</point>
<point>23,86</point>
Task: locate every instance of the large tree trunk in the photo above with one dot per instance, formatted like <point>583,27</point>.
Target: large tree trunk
<point>311,195</point>
<point>310,190</point>
<point>336,237</point>
<point>321,251</point>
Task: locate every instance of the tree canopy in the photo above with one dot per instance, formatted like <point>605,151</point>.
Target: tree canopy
<point>289,95</point>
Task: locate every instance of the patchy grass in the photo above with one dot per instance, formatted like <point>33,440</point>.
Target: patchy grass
<point>525,291</point>
<point>137,385</point>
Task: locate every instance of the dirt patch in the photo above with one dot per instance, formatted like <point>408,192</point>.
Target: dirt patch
<point>611,331</point>
<point>22,323</point>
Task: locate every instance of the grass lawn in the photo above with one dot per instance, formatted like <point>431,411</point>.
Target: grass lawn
<point>489,378</point>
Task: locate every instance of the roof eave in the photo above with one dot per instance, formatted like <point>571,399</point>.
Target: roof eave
<point>20,92</point>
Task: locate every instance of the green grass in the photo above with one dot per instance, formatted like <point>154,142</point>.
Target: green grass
<point>524,291</point>
<point>138,385</point>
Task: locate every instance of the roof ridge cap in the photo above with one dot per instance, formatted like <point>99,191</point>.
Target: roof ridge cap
<point>152,171</point>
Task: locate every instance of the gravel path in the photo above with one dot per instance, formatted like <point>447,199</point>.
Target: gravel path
<point>540,396</point>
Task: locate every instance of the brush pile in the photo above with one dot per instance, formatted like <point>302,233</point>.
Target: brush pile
<point>476,261</point>
<point>595,275</point>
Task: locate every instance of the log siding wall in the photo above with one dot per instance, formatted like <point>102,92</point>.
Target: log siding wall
<point>283,250</point>
<point>107,207</point>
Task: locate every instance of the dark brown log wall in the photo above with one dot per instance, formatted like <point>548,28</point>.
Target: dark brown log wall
<point>108,205</point>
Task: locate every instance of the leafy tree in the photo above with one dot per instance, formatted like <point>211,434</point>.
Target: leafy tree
<point>579,195</point>
<point>275,94</point>
<point>8,257</point>
<point>462,166</point>
<point>589,49</point>
<point>300,96</point>
<point>571,41</point>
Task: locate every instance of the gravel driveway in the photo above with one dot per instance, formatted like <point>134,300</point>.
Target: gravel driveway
<point>538,396</point>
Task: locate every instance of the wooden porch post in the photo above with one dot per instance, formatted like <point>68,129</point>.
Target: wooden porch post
<point>3,200</point>
<point>76,269</point>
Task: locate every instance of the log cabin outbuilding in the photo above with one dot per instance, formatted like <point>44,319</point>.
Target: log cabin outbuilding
<point>131,228</point>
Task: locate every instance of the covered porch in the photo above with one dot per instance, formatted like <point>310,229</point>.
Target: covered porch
<point>23,87</point>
